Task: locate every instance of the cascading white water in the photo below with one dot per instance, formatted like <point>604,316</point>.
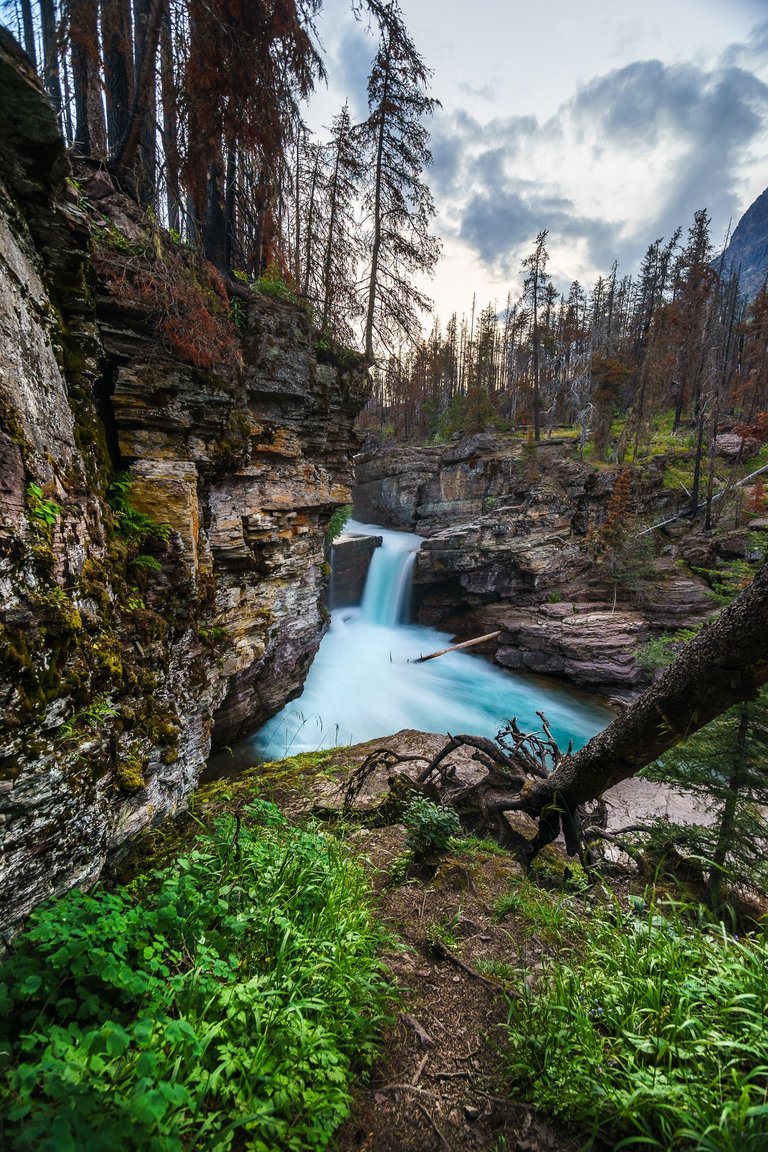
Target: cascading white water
<point>362,683</point>
<point>388,584</point>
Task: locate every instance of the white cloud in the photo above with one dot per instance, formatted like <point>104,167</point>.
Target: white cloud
<point>607,125</point>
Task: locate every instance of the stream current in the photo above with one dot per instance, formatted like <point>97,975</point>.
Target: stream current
<point>363,684</point>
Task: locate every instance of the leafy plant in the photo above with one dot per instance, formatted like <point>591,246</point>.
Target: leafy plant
<point>429,827</point>
<point>443,931</point>
<point>92,716</point>
<point>237,313</point>
<point>44,511</point>
<point>135,525</point>
<point>147,562</point>
<point>654,1037</point>
<point>337,522</point>
<point>274,284</point>
<point>222,1002</point>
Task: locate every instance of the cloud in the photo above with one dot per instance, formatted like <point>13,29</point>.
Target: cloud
<point>640,103</point>
<point>648,143</point>
<point>353,58</point>
<point>753,52</point>
<point>500,226</point>
<point>487,92</point>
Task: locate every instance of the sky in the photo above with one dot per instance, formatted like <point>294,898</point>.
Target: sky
<point>607,123</point>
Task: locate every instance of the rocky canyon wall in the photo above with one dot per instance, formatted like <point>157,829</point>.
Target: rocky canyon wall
<point>142,619</point>
<point>535,542</point>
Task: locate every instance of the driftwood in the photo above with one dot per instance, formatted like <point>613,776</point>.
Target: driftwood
<point>511,763</point>
<point>456,647</point>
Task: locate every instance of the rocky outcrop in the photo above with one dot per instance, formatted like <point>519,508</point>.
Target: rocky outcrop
<point>141,619</point>
<point>351,559</point>
<point>515,542</point>
<point>747,252</point>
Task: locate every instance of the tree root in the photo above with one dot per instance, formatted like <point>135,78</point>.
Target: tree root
<point>445,953</point>
<point>513,765</point>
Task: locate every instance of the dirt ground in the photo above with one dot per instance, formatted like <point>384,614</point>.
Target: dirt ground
<point>439,1082</point>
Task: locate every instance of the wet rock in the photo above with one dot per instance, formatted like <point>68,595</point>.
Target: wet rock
<point>351,558</point>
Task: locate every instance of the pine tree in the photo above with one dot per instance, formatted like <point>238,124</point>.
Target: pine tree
<point>341,250</point>
<point>397,202</point>
<point>535,293</point>
<point>725,763</point>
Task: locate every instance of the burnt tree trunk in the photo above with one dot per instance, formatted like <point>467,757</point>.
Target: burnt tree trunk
<point>90,127</point>
<point>117,52</point>
<point>134,154</point>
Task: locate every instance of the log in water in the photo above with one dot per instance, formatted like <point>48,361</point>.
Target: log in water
<point>364,684</point>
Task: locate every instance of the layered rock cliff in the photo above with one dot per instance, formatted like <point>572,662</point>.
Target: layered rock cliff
<point>519,539</point>
<point>169,462</point>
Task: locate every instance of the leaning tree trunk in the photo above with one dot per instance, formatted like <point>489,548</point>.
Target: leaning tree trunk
<point>725,664</point>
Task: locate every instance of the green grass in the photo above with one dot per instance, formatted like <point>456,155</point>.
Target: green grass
<point>550,915</point>
<point>479,846</point>
<point>655,1036</point>
<point>499,970</point>
<point>223,1002</point>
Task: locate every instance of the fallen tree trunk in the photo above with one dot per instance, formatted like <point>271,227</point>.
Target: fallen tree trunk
<point>526,772</point>
<point>456,647</point>
<point>725,664</point>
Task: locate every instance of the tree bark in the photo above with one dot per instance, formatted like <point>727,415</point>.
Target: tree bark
<point>215,229</point>
<point>724,665</point>
<point>51,71</point>
<point>140,124</point>
<point>118,71</point>
<point>90,127</point>
<point>29,31</point>
<point>170,123</point>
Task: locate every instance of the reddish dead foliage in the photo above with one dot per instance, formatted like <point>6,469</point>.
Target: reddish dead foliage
<point>184,298</point>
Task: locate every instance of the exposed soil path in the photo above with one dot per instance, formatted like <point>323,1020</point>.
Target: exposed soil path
<point>439,1083</point>
<point>456,955</point>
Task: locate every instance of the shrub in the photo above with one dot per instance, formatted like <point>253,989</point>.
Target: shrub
<point>429,827</point>
<point>337,522</point>
<point>222,1002</point>
<point>184,299</point>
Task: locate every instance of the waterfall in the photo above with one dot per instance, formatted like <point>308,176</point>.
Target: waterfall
<point>387,595</point>
<point>363,683</point>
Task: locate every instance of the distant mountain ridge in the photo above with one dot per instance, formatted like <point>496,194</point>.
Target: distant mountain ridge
<point>747,252</point>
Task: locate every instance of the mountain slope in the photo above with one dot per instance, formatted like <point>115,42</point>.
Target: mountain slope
<point>747,252</point>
